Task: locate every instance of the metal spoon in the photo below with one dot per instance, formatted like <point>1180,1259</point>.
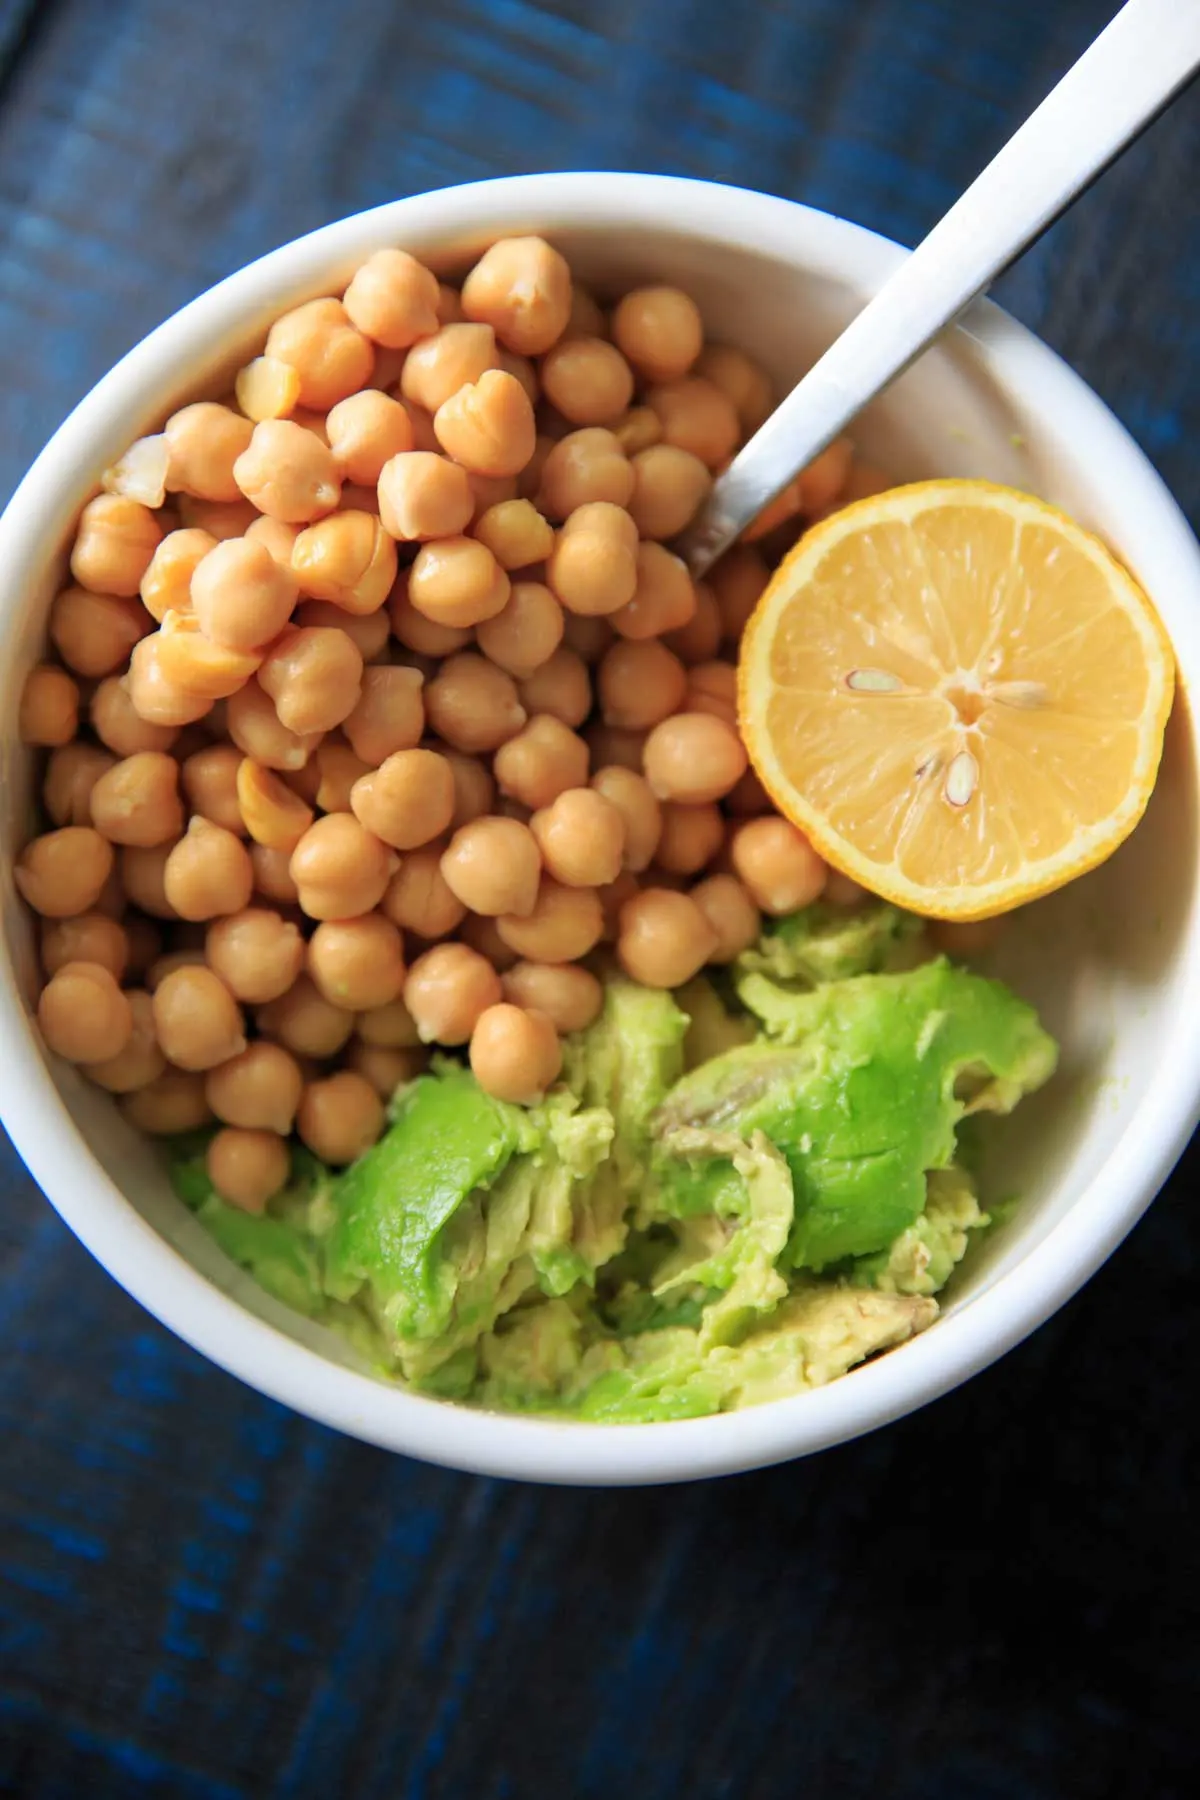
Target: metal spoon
<point>1119,85</point>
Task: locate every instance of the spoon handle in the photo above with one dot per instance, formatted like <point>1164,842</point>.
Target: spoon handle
<point>1122,81</point>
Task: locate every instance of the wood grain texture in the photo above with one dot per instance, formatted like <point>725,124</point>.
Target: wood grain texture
<point>204,1597</point>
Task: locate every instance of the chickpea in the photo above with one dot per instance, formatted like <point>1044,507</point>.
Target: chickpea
<point>423,495</point>
<point>631,795</point>
<point>340,869</point>
<point>112,899</point>
<point>288,473</point>
<point>170,1104</point>
<point>449,359</point>
<point>83,1015</point>
<point>340,1117</point>
<point>274,536</point>
<point>691,837</point>
<point>203,442</point>
<point>811,493</point>
<point>712,688</point>
<point>492,866</point>
<point>487,425</point>
<point>139,1061</point>
<point>521,287</point>
<point>257,953</point>
<point>247,1168</point>
<point>516,534</point>
<point>541,762</point>
<point>480,934</point>
<point>137,800</point>
<point>637,429</point>
<point>418,898</point>
<point>732,913</point>
<point>446,990</point>
<point>390,715</point>
<point>140,473</point>
<point>664,938</point>
<point>778,865</point>
<point>408,800</point>
<point>71,773</point>
<point>272,875</point>
<point>458,582</point>
<point>142,875</point>
<point>742,382</point>
<point>305,1022</point>
<point>154,696</point>
<point>698,417</point>
<point>664,598</point>
<point>560,687</point>
<point>331,357</point>
<point>570,997</point>
<point>587,638</point>
<point>424,437</point>
<point>738,581</point>
<point>368,631</point>
<point>208,872</point>
<point>526,633</point>
<point>388,1027</point>
<point>419,635</point>
<point>588,380</point>
<point>347,559</point>
<point>693,757</point>
<point>166,585</point>
<point>593,567</point>
<point>197,1020</point>
<point>62,873</point>
<point>357,963</point>
<point>582,468</point>
<point>267,389</point>
<point>385,1069</point>
<point>269,811</point>
<point>529,481</point>
<point>639,684</point>
<point>473,704</point>
<point>365,432</point>
<point>241,595</point>
<point>218,519</point>
<point>165,965</point>
<point>257,730</point>
<point>474,788</point>
<point>564,925</point>
<point>314,676</point>
<point>700,639</point>
<point>49,710</point>
<point>393,299</point>
<point>660,330</point>
<point>515,1055</point>
<point>89,938</point>
<point>192,664</point>
<point>669,487</point>
<point>94,633</point>
<point>328,779</point>
<point>118,727</point>
<point>114,542</point>
<point>210,783</point>
<point>581,836</point>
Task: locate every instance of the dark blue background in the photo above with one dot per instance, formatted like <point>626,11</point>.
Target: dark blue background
<point>203,1596</point>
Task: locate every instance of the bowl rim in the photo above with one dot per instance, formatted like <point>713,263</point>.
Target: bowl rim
<point>555,1451</point>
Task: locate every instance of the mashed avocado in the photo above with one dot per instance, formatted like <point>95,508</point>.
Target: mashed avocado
<point>735,1193</point>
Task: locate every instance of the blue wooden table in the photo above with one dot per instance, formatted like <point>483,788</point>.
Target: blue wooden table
<point>204,1597</point>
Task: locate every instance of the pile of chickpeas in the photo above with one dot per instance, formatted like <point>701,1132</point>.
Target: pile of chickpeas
<point>378,708</point>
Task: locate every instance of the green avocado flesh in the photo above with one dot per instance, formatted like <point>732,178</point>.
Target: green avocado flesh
<point>735,1193</point>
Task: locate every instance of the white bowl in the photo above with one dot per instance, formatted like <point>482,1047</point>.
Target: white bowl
<point>1113,962</point>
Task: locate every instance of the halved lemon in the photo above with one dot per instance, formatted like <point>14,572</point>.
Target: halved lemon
<point>958,694</point>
